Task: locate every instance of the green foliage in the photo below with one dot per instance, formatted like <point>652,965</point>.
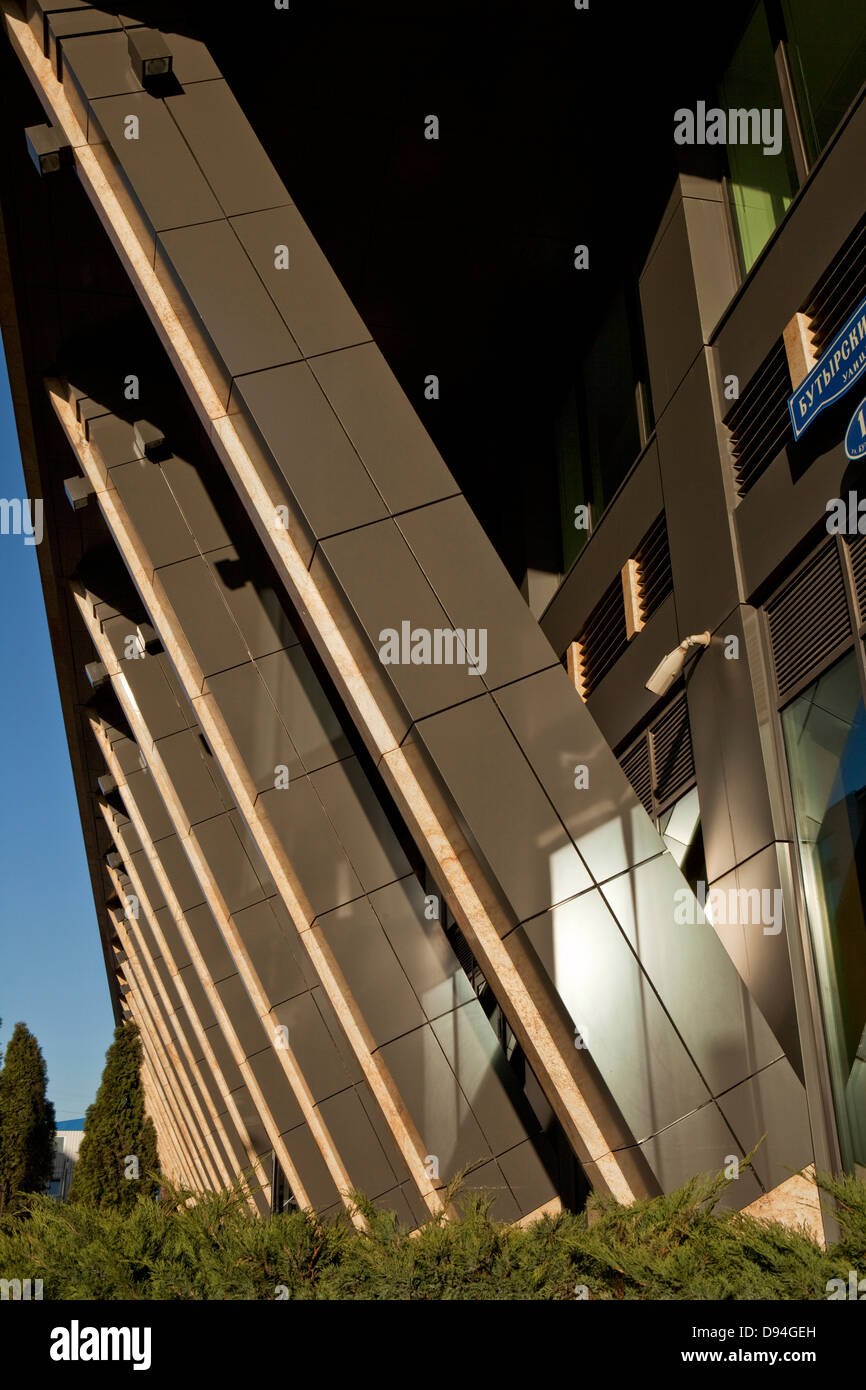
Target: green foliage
<point>116,1130</point>
<point>26,1120</point>
<point>680,1246</point>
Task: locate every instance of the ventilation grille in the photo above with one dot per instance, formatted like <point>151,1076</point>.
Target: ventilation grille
<point>857,551</point>
<point>840,289</point>
<point>654,567</point>
<point>672,757</point>
<point>603,638</point>
<point>636,766</point>
<point>759,422</point>
<point>661,765</point>
<point>808,619</point>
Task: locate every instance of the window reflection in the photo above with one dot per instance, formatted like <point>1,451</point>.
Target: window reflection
<point>680,828</point>
<point>762,186</point>
<point>827,57</point>
<point>604,420</point>
<point>825,738</point>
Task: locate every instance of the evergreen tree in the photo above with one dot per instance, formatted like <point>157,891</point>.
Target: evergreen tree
<point>118,1152</point>
<point>26,1120</point>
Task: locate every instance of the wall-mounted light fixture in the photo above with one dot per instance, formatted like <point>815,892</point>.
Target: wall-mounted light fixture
<point>671,665</point>
<point>48,148</point>
<point>96,674</point>
<point>147,440</point>
<point>78,492</point>
<point>149,54</point>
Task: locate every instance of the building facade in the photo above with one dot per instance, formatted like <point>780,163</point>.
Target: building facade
<point>400,868</point>
<point>67,1143</point>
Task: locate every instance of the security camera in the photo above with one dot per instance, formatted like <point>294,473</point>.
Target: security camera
<point>671,665</point>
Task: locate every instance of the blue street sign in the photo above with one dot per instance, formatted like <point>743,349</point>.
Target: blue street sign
<point>855,435</point>
<point>840,366</point>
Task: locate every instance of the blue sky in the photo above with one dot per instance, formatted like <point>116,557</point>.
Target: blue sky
<point>52,975</point>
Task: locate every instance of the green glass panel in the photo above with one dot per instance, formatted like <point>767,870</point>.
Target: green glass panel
<point>598,435</point>
<point>762,185</point>
<point>827,58</point>
<point>825,739</point>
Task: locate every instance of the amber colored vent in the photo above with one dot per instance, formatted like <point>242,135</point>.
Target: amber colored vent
<point>654,567</point>
<point>840,289</point>
<point>603,638</point>
<point>808,618</point>
<point>759,422</point>
<point>636,766</point>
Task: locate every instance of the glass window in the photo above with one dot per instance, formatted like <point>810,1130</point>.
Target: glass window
<point>599,428</point>
<point>827,58</point>
<point>762,185</point>
<point>825,739</point>
<point>680,828</point>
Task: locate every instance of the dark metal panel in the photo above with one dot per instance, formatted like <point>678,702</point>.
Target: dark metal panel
<point>235,876</point>
<point>696,506</point>
<point>272,954</point>
<point>771,1104</point>
<point>204,617</point>
<point>313,1046</point>
<point>671,318</point>
<point>263,743</point>
<point>720,1023</point>
<point>386,588</point>
<point>396,450</point>
<point>430,1090</point>
<point>361,824</point>
<point>601,812</point>
<point>307,837</point>
<point>304,708</point>
<point>477,1060</point>
<point>503,807</point>
<point>245,1021</point>
<point>465,573</point>
<point>617,1013</point>
<point>226,148</point>
<point>421,947</point>
<point>239,318</point>
<point>310,298</point>
<point>168,184</point>
<point>327,482</point>
<point>372,971</point>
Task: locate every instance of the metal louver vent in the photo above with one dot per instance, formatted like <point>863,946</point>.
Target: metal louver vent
<point>603,638</point>
<point>857,551</point>
<point>654,567</point>
<point>840,289</point>
<point>759,422</point>
<point>672,757</point>
<point>661,765</point>
<point>808,618</point>
<point>636,766</point>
